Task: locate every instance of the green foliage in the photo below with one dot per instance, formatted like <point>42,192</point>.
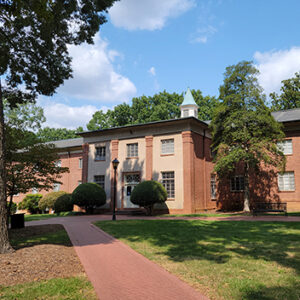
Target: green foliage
<point>13,208</point>
<point>147,193</point>
<point>162,106</point>
<point>48,134</point>
<point>290,94</point>
<point>48,201</point>
<point>89,195</point>
<point>243,129</point>
<point>31,203</point>
<point>63,203</point>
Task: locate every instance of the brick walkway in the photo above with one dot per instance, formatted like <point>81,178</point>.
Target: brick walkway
<point>119,273</point>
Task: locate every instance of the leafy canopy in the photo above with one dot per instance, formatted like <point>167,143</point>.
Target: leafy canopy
<point>243,129</point>
<point>290,94</point>
<point>48,134</point>
<point>162,106</point>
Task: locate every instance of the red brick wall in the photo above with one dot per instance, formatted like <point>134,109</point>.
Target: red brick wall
<point>69,180</point>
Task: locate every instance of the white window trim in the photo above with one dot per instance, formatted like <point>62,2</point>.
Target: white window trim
<point>101,183</point>
<point>286,146</point>
<point>100,157</point>
<point>287,179</point>
<point>80,163</point>
<point>169,179</point>
<point>213,185</point>
<point>132,150</point>
<point>167,146</point>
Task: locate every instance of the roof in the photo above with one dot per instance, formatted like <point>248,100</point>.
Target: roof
<point>289,115</point>
<point>188,98</point>
<point>144,124</point>
<point>67,143</point>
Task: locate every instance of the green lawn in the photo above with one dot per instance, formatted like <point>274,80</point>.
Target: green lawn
<point>224,260</point>
<point>74,287</point>
<point>36,217</point>
<point>58,288</point>
<point>220,214</point>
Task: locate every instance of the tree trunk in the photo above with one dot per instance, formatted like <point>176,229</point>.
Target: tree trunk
<point>5,246</point>
<point>9,209</point>
<point>246,193</point>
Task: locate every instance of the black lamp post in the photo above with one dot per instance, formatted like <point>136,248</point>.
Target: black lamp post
<point>115,164</point>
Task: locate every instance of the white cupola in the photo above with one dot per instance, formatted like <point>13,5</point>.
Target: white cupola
<point>189,107</point>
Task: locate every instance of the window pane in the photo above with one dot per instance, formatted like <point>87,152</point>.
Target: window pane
<point>167,146</point>
<point>100,179</point>
<point>100,153</point>
<point>168,181</point>
<point>132,150</point>
<point>286,181</point>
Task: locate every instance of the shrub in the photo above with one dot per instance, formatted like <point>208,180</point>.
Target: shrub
<point>13,208</point>
<point>31,203</point>
<point>63,203</point>
<point>147,193</point>
<point>89,195</point>
<point>49,200</point>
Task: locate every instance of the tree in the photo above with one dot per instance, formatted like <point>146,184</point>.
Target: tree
<point>49,200</point>
<point>147,193</point>
<point>89,195</point>
<point>243,129</point>
<point>31,203</point>
<point>34,36</point>
<point>162,106</point>
<point>290,94</point>
<point>63,203</point>
<point>29,164</point>
<point>48,134</point>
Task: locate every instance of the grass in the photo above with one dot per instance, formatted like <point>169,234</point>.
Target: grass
<point>36,217</point>
<point>77,287</point>
<point>221,214</point>
<point>224,260</point>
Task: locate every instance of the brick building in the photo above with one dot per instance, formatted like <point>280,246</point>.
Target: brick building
<point>177,153</point>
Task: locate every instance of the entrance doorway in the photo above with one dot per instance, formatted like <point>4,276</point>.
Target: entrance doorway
<point>130,182</point>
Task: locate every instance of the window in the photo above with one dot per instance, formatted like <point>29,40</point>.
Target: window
<point>56,187</point>
<point>58,163</point>
<point>79,182</point>
<point>167,146</point>
<point>213,186</point>
<point>185,113</point>
<point>80,163</point>
<point>237,184</point>
<point>100,153</point>
<point>286,181</point>
<point>34,190</point>
<point>168,181</point>
<point>132,150</point>
<point>100,179</point>
<point>286,146</point>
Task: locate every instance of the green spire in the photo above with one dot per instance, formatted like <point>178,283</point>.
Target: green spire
<point>188,98</point>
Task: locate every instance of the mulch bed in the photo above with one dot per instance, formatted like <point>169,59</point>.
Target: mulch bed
<point>38,262</point>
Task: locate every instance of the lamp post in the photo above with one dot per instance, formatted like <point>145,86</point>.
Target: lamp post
<point>115,164</point>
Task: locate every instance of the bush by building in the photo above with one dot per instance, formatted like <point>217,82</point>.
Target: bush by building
<point>63,203</point>
<point>147,193</point>
<point>89,195</point>
<point>48,201</point>
<point>31,203</point>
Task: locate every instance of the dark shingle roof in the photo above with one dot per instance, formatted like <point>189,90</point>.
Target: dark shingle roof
<point>290,115</point>
<point>67,143</point>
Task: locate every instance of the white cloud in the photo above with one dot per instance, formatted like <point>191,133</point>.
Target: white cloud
<point>152,71</point>
<point>147,14</point>
<point>275,66</point>
<point>60,115</point>
<point>94,76</point>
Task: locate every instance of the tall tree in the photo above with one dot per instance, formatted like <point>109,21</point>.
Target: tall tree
<point>162,106</point>
<point>290,94</point>
<point>244,133</point>
<point>48,134</point>
<point>34,35</point>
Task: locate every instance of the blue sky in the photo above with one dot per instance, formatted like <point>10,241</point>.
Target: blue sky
<point>148,46</point>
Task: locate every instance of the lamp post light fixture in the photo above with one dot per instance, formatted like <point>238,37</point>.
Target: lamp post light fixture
<point>115,164</point>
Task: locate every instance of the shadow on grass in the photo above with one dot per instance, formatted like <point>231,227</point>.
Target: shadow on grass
<point>37,235</point>
<point>218,241</point>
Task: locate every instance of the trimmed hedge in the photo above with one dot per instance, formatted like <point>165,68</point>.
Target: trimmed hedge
<point>89,195</point>
<point>31,203</point>
<point>49,200</point>
<point>63,203</point>
<point>147,193</point>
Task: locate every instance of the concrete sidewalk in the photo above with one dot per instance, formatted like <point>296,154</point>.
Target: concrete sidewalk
<point>115,270</point>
